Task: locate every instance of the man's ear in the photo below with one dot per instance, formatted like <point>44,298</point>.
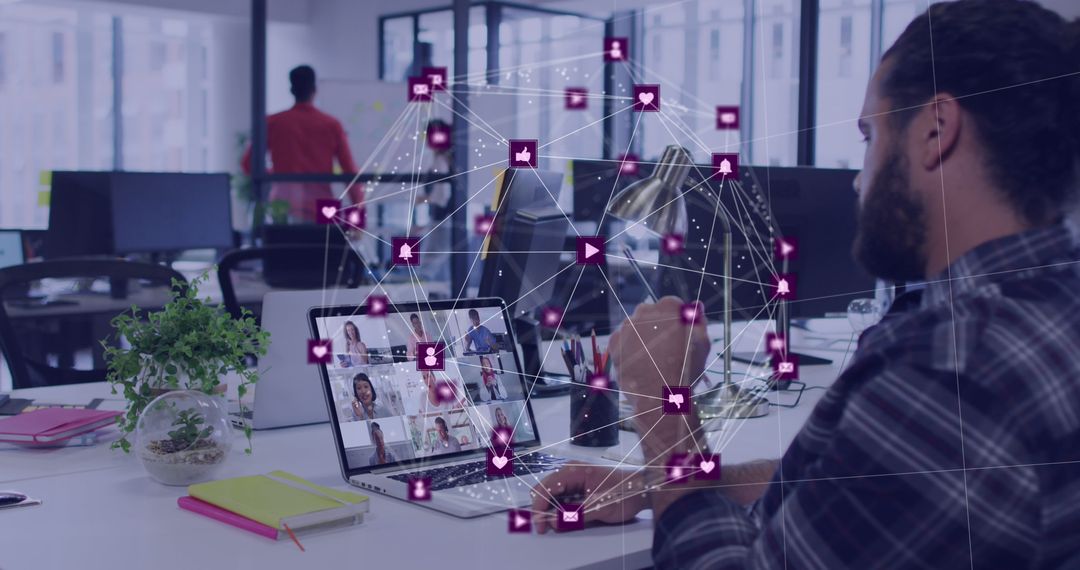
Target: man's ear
<point>938,134</point>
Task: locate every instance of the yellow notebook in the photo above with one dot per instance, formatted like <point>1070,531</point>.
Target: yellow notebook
<point>279,498</point>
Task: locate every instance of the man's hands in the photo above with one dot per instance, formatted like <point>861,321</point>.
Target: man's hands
<point>609,495</point>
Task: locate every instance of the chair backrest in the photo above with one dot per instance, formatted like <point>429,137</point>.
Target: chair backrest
<point>292,266</point>
<point>41,337</point>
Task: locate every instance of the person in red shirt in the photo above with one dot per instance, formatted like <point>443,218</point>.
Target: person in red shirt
<point>304,140</point>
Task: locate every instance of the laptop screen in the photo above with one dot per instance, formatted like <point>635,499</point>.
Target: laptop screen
<point>11,248</point>
<point>423,381</point>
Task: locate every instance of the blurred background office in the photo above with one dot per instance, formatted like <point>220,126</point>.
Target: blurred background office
<point>176,86</point>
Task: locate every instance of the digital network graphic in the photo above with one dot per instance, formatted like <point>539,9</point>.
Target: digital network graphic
<point>407,147</point>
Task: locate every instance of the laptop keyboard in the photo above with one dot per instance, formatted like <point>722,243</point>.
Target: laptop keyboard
<point>476,472</point>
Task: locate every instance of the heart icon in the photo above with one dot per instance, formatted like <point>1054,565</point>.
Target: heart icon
<point>319,351</point>
<point>328,212</point>
<point>708,466</point>
<point>500,461</point>
<point>646,98</point>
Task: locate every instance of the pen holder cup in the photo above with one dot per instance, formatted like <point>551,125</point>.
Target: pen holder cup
<point>594,416</point>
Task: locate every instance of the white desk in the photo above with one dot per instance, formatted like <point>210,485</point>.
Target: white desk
<point>102,511</point>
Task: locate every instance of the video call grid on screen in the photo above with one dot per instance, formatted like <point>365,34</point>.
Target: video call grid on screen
<point>377,356</point>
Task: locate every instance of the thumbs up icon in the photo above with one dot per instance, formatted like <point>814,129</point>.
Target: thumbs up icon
<point>523,153</point>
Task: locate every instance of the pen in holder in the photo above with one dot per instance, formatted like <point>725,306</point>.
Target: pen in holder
<point>594,409</point>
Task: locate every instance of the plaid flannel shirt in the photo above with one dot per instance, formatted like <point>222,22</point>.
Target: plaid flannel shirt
<point>951,441</point>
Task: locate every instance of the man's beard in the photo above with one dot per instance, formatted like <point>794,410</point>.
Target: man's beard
<point>891,226</point>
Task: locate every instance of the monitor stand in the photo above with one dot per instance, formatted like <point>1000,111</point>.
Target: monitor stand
<point>527,331</point>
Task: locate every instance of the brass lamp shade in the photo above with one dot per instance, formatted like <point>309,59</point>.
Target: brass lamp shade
<point>656,203</point>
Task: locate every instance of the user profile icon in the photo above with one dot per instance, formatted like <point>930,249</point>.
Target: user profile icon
<point>429,356</point>
<point>419,489</point>
<point>616,49</point>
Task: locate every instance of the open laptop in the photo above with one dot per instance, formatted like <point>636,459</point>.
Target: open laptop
<point>289,391</point>
<point>431,435</point>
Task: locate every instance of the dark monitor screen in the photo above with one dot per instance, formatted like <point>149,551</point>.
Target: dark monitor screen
<point>596,182</point>
<point>816,206</point>
<point>521,267</point>
<point>80,215</point>
<point>168,211</point>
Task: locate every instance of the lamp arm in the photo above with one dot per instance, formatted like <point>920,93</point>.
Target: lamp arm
<point>725,223</point>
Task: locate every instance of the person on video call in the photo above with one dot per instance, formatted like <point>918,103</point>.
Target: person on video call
<point>381,455</point>
<point>492,384</point>
<point>479,337</point>
<point>304,140</point>
<point>416,335</point>
<point>444,442</point>
<point>952,438</point>
<point>431,400</point>
<point>354,347</point>
<point>364,404</point>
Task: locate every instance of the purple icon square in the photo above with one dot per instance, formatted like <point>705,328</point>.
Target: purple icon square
<point>550,317</point>
<point>577,98</point>
<point>598,382</point>
<point>571,517</point>
<point>482,224</point>
<point>725,165</point>
<point>419,90</point>
<point>590,250</point>
<point>523,153</point>
<point>420,489</point>
<point>429,357</point>
<point>444,391</point>
<point>435,76</point>
<point>616,49</point>
<point>786,367</point>
<point>676,400</point>
<point>707,467</point>
<point>678,468</point>
<point>502,439</point>
<point>628,164</point>
<point>499,464</point>
<point>673,244</point>
<point>692,313</point>
<point>727,118</point>
<point>520,521</point>
<point>319,351</point>
<point>326,211</point>
<point>775,343</point>
<point>783,285</point>
<point>646,97</point>
<point>405,250</point>
<point>438,137</point>
<point>786,247</point>
<point>377,306</point>
<point>354,217</point>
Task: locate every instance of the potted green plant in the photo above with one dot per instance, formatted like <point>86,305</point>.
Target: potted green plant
<point>183,437</point>
<point>188,345</point>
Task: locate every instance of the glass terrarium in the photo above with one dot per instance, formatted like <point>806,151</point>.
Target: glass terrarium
<point>184,436</point>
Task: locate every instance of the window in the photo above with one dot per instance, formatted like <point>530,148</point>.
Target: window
<point>60,116</point>
<point>843,72</point>
<point>714,54</point>
<point>776,83</point>
<point>397,48</point>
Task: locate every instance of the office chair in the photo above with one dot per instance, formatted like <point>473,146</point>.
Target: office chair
<point>293,266</point>
<point>51,326</point>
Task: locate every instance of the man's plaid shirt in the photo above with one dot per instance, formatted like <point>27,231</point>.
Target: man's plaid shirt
<point>951,441</point>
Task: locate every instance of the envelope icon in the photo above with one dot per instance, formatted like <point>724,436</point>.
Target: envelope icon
<point>570,516</point>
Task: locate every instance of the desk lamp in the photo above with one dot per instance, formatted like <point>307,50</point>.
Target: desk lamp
<point>657,204</point>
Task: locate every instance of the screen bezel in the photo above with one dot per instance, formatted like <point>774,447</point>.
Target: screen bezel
<point>316,313</point>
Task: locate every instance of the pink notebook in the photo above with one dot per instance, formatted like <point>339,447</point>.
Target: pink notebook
<point>50,425</point>
<point>228,517</point>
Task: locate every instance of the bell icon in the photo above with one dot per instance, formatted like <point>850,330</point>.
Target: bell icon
<point>406,251</point>
<point>725,166</point>
<point>782,287</point>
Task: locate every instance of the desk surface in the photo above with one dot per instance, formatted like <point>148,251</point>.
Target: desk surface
<point>102,511</point>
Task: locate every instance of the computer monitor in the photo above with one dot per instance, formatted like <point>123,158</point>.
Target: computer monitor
<point>164,212</point>
<point>816,206</point>
<point>80,215</point>
<point>305,234</point>
<point>11,248</point>
<point>523,258</point>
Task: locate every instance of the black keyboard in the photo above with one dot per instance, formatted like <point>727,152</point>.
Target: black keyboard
<point>476,472</point>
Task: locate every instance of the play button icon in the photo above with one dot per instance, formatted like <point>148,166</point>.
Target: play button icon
<point>520,521</point>
<point>590,250</point>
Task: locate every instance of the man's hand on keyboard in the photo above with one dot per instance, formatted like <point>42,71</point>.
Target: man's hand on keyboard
<point>609,495</point>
